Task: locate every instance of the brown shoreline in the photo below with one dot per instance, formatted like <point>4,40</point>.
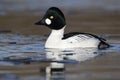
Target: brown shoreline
<point>91,23</point>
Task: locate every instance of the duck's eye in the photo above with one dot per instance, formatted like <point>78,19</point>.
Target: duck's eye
<point>51,17</point>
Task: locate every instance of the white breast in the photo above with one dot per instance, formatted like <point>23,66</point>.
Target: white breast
<point>55,40</point>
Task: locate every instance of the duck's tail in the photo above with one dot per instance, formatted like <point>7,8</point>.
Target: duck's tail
<point>103,45</point>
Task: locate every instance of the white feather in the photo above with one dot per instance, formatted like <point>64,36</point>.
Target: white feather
<point>55,40</point>
<point>48,21</point>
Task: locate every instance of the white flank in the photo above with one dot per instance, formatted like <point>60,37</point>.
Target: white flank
<point>55,40</point>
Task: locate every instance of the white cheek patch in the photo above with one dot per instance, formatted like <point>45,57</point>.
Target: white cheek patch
<point>48,21</point>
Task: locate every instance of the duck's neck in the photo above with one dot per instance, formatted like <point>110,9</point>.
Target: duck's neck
<point>55,36</point>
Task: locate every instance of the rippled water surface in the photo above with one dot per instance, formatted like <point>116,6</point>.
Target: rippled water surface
<point>24,58</point>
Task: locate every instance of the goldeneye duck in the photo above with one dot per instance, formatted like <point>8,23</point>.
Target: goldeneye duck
<point>55,20</point>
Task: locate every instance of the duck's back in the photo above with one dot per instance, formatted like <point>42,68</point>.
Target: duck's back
<point>84,40</point>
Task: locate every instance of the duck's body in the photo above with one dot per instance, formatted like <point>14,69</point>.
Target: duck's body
<point>58,39</point>
<point>55,20</point>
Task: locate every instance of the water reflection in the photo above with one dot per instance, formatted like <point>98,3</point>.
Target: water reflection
<point>61,64</point>
<point>56,69</point>
<point>9,77</point>
<point>69,55</point>
<point>57,60</point>
<point>54,72</point>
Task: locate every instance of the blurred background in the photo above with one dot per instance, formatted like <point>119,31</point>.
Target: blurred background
<point>94,16</point>
<point>100,17</point>
<point>69,6</point>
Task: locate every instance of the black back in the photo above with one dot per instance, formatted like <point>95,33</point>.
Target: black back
<point>77,33</point>
<point>102,44</point>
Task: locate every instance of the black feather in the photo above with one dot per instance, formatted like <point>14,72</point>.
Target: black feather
<point>102,44</point>
<point>77,33</point>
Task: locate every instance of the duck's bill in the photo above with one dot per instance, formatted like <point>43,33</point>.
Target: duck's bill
<point>41,22</point>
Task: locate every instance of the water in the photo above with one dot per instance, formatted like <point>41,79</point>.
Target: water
<point>24,58</point>
<point>37,6</point>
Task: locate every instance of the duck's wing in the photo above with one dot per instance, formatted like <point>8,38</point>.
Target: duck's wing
<point>80,33</point>
<point>85,36</point>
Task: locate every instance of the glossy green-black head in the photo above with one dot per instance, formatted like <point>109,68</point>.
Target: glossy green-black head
<point>54,19</point>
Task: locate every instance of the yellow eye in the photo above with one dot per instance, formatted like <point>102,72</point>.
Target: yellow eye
<point>51,17</point>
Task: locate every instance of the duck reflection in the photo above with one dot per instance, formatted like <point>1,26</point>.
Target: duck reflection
<point>56,69</point>
<point>57,58</point>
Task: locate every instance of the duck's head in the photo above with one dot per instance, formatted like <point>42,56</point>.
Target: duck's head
<point>54,19</point>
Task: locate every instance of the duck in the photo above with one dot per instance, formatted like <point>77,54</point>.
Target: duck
<point>54,19</point>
